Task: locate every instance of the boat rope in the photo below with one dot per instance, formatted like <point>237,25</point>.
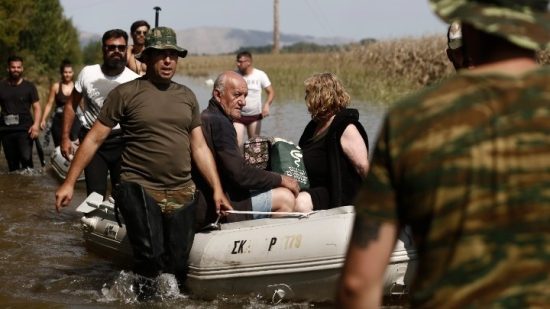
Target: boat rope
<point>281,213</point>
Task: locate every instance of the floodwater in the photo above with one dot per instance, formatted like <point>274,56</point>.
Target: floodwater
<point>43,260</point>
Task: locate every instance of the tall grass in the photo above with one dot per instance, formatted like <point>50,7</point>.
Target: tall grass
<point>377,72</point>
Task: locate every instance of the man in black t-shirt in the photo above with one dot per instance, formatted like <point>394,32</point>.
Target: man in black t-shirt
<point>18,128</point>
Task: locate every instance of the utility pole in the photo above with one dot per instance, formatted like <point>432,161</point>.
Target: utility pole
<point>276,34</point>
<point>157,9</point>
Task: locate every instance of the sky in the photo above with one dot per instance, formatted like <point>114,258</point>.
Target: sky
<point>353,19</point>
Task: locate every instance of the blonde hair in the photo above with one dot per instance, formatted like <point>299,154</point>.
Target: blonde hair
<point>325,95</point>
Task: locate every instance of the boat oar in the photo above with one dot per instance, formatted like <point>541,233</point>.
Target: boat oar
<point>282,213</point>
<point>213,226</point>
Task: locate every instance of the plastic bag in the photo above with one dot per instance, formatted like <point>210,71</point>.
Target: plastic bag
<point>287,158</point>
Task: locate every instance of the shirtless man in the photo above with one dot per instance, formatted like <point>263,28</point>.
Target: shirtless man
<point>137,31</point>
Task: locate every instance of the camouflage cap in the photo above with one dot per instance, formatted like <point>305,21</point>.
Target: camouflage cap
<point>162,38</point>
<point>525,23</point>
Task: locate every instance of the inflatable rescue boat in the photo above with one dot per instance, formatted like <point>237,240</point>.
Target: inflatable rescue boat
<point>61,165</point>
<point>298,258</point>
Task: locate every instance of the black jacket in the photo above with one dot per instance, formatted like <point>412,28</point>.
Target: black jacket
<point>236,176</point>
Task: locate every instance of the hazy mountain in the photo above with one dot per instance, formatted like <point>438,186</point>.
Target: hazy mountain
<point>217,40</point>
<point>87,37</point>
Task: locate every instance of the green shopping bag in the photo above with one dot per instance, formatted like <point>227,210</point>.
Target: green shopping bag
<point>286,158</point>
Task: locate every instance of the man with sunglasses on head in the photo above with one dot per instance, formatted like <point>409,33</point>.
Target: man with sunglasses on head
<point>161,127</point>
<point>92,87</point>
<point>138,30</point>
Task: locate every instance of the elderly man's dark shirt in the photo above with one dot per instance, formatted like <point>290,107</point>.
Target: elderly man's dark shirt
<point>236,176</point>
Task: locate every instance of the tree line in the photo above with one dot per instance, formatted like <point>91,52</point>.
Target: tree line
<point>38,31</point>
<point>304,47</point>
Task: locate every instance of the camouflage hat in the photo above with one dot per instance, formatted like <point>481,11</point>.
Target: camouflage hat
<point>525,23</point>
<point>162,38</point>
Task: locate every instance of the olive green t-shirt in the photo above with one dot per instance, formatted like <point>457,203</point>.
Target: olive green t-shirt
<point>467,165</point>
<point>156,124</point>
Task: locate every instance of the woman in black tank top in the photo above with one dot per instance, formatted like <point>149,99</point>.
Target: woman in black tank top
<point>334,146</point>
<point>59,94</point>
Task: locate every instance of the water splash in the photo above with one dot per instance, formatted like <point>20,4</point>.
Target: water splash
<point>28,172</point>
<point>168,288</point>
<point>121,289</point>
<point>130,288</point>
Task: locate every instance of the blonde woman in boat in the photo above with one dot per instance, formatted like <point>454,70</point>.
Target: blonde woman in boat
<point>334,145</point>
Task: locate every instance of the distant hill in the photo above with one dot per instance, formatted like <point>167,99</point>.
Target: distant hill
<point>87,37</point>
<point>217,40</point>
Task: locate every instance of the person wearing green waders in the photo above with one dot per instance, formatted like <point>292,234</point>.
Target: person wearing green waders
<point>161,129</point>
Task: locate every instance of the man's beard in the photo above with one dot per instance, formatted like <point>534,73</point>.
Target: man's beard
<point>15,75</point>
<point>115,64</point>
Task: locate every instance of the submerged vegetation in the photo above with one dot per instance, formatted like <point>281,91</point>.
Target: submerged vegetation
<point>380,71</point>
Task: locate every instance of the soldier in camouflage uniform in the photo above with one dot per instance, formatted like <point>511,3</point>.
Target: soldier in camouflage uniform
<point>467,165</point>
<point>160,123</point>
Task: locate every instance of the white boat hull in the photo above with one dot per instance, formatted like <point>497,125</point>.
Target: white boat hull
<point>61,165</point>
<point>290,258</point>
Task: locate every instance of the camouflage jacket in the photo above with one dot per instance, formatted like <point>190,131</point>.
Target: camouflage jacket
<point>467,165</point>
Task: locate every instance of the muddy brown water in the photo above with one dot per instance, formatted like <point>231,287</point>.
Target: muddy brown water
<point>43,260</point>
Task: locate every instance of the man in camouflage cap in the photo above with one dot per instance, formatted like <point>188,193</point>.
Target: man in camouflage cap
<point>162,38</point>
<point>160,122</point>
<point>467,165</point>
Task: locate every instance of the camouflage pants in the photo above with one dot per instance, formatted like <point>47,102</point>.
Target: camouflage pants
<point>172,200</point>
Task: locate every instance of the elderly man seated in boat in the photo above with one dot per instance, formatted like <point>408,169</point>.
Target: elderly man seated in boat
<point>250,189</point>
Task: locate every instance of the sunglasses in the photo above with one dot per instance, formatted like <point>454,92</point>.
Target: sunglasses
<point>113,47</point>
<point>140,32</point>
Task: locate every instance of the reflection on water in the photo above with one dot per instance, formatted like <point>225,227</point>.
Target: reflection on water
<point>43,260</point>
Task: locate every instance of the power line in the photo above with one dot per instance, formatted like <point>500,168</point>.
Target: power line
<point>321,18</point>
